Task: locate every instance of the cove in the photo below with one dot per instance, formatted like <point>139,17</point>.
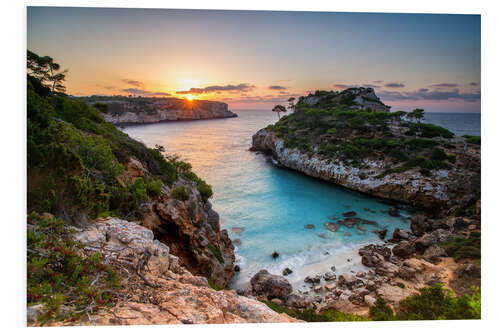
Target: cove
<point>266,208</point>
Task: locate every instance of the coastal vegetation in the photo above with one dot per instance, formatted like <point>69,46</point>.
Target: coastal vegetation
<point>432,303</point>
<point>337,126</point>
<point>75,157</point>
<point>65,282</point>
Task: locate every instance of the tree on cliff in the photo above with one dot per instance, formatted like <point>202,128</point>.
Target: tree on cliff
<point>291,106</point>
<point>279,108</point>
<point>45,70</point>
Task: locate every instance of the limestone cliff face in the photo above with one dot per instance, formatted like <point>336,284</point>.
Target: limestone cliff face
<point>191,228</point>
<point>153,110</point>
<point>442,189</point>
<point>175,296</point>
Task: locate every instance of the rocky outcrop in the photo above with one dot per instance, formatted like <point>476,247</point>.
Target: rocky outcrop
<point>361,98</point>
<point>153,110</point>
<point>175,297</point>
<point>271,286</point>
<point>191,228</point>
<point>440,189</point>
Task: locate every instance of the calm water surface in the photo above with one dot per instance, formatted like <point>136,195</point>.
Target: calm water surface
<point>270,204</point>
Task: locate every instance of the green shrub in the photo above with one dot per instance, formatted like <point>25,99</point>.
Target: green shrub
<point>381,311</point>
<point>216,252</point>
<point>429,131</point>
<point>60,277</point>
<point>473,139</point>
<point>417,144</point>
<point>438,154</point>
<point>180,193</point>
<point>435,302</point>
<point>459,248</point>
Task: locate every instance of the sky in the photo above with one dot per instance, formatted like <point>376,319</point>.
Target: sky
<point>256,59</point>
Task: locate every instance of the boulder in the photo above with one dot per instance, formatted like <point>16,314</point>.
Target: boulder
<point>433,253</point>
<point>313,279</point>
<point>287,271</point>
<point>329,276</point>
<point>272,286</point>
<point>369,300</point>
<point>419,225</point>
<point>348,280</point>
<point>399,234</point>
<point>382,233</point>
<point>370,249</point>
<point>425,241</point>
<point>404,249</point>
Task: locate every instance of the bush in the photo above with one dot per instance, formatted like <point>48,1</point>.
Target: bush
<point>60,277</point>
<point>473,139</point>
<point>438,154</point>
<point>429,131</point>
<point>460,248</point>
<point>180,193</point>
<point>216,252</point>
<point>381,311</point>
<point>435,302</point>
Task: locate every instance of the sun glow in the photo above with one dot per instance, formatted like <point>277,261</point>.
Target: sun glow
<point>189,97</point>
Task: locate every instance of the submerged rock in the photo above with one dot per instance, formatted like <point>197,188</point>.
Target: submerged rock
<point>309,226</point>
<point>393,211</point>
<point>349,214</point>
<point>331,226</point>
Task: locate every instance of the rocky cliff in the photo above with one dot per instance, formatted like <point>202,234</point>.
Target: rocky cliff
<point>190,227</point>
<point>140,110</point>
<point>163,292</point>
<point>442,188</point>
<point>374,152</point>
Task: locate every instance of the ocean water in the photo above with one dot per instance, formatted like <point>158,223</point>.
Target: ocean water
<point>265,207</point>
<point>458,123</point>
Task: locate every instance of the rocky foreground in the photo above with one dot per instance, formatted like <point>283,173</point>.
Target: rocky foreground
<point>164,292</point>
<point>395,270</point>
<point>126,110</point>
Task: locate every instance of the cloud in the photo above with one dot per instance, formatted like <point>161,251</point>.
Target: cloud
<point>444,85</point>
<point>427,94</point>
<point>134,83</point>
<point>474,84</point>
<point>378,81</point>
<point>210,89</point>
<point>394,85</point>
<point>161,93</point>
<point>277,88</point>
<point>373,86</point>
<point>135,91</point>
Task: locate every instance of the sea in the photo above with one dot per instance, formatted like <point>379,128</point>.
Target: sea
<point>265,208</point>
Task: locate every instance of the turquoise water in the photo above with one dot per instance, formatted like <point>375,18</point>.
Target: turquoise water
<point>271,204</point>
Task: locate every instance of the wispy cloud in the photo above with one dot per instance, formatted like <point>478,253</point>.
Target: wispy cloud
<point>474,84</point>
<point>444,85</point>
<point>135,91</point>
<point>394,85</point>
<point>277,88</point>
<point>161,93</point>
<point>427,94</point>
<point>217,88</point>
<point>133,83</point>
